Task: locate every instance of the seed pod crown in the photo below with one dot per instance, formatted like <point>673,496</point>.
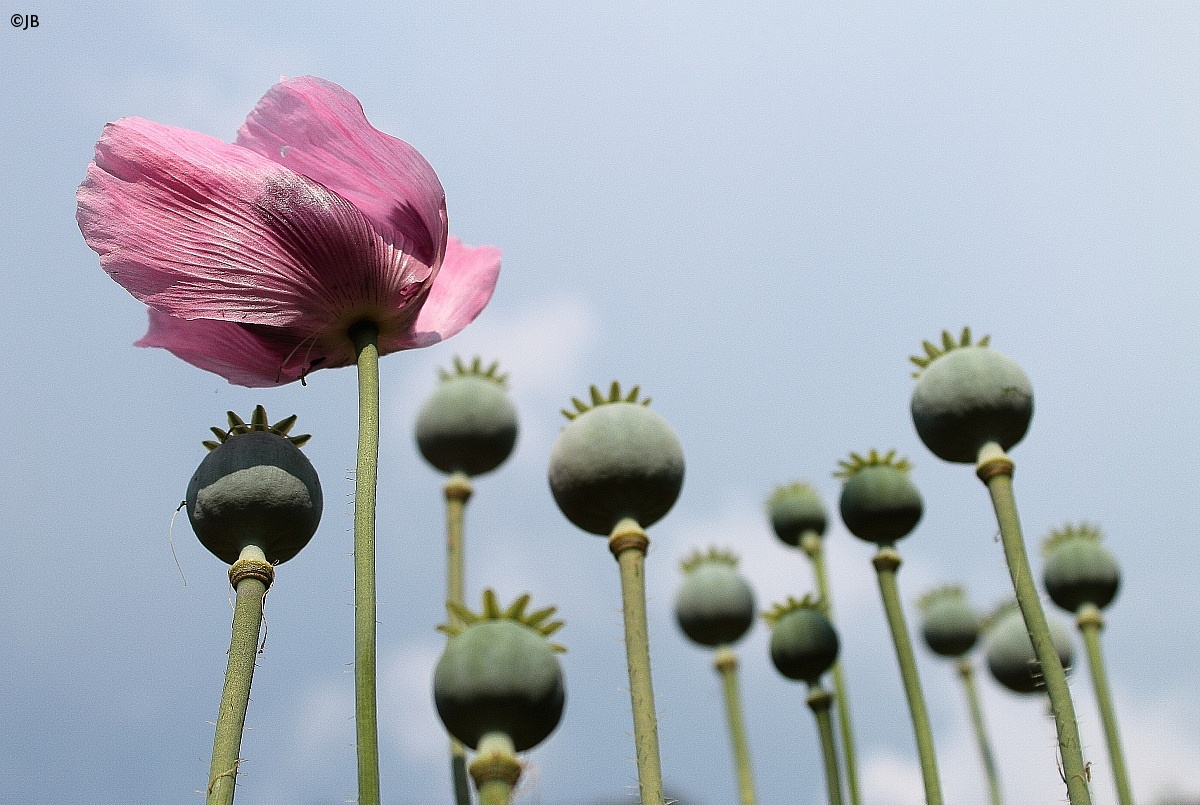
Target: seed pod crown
<point>500,674</point>
<point>468,424</point>
<point>933,351</point>
<point>968,396</point>
<point>715,604</point>
<point>949,623</point>
<point>255,487</point>
<point>615,459</point>
<point>257,424</point>
<point>879,502</point>
<point>539,621</point>
<point>1078,568</point>
<point>615,395</point>
<point>804,644</point>
<point>796,509</point>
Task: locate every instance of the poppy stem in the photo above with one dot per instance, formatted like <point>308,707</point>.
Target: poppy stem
<point>250,576</point>
<point>495,769</point>
<point>812,545</point>
<point>365,336</point>
<point>628,543</point>
<point>966,672</point>
<point>819,701</point>
<point>726,664</point>
<point>1090,622</point>
<point>458,491</point>
<point>887,562</point>
<point>995,469</point>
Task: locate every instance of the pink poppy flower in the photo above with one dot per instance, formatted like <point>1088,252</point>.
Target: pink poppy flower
<point>257,257</point>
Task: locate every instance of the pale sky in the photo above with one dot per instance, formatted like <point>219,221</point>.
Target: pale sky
<point>755,211</point>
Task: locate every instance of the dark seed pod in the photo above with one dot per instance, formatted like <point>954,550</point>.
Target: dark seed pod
<point>796,509</point>
<point>967,396</point>
<point>879,502</point>
<point>804,644</point>
<point>255,487</point>
<point>468,424</point>
<point>499,673</point>
<point>615,459</point>
<point>949,623</point>
<point>715,604</point>
<point>1079,570</point>
<point>1009,651</point>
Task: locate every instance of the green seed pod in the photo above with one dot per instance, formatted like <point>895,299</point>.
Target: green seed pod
<point>499,673</point>
<point>949,623</point>
<point>967,396</point>
<point>468,424</point>
<point>879,502</point>
<point>715,604</point>
<point>615,459</point>
<point>1009,651</point>
<point>796,509</point>
<point>255,487</point>
<point>804,644</point>
<point>1079,570</point>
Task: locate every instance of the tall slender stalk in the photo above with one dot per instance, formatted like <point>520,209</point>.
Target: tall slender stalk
<point>458,491</point>
<point>726,664</point>
<point>812,545</point>
<point>365,337</point>
<point>887,562</point>
<point>995,469</point>
<point>250,576</point>
<point>819,701</point>
<point>1090,623</point>
<point>966,672</point>
<point>629,543</point>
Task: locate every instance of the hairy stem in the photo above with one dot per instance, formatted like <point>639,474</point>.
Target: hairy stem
<point>365,337</point>
<point>812,545</point>
<point>887,562</point>
<point>250,576</point>
<point>995,469</point>
<point>818,701</point>
<point>458,491</point>
<point>966,672</point>
<point>726,664</point>
<point>1090,623</point>
<point>628,543</point>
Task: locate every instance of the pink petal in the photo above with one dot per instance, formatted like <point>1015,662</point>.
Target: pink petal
<point>318,129</point>
<point>199,228</point>
<point>461,290</point>
<point>248,355</point>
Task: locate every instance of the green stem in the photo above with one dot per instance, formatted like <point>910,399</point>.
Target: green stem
<point>458,773</point>
<point>628,543</point>
<point>726,663</point>
<point>995,469</point>
<point>818,701</point>
<point>966,672</point>
<point>887,562</point>
<point>365,337</point>
<point>250,576</point>
<point>496,769</point>
<point>1090,623</point>
<point>458,491</point>
<point>812,545</point>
